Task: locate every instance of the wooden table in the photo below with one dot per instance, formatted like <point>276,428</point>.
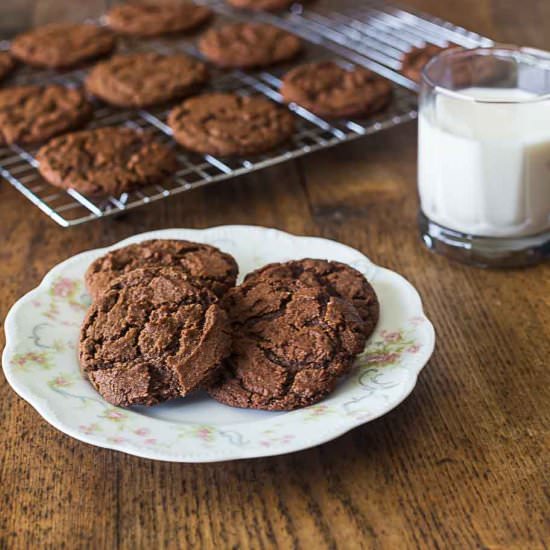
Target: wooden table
<point>462,463</point>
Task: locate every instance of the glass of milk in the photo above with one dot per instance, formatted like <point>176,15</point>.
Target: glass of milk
<point>484,155</point>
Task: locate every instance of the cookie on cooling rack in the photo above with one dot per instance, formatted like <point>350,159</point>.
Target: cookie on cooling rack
<point>150,19</point>
<point>230,125</point>
<point>62,45</point>
<point>332,91</point>
<point>7,64</point>
<point>338,279</point>
<point>291,344</point>
<point>153,336</point>
<point>248,45</point>
<point>414,61</point>
<point>146,78</point>
<point>31,114</point>
<point>261,5</point>
<point>106,161</point>
<point>204,265</point>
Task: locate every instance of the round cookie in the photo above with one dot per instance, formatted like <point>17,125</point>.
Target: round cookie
<point>142,79</point>
<point>329,90</point>
<point>291,344</point>
<point>30,114</point>
<point>414,61</point>
<point>203,264</point>
<point>248,45</point>
<point>338,279</point>
<point>261,5</point>
<point>152,336</point>
<point>105,161</point>
<point>228,124</point>
<point>62,45</point>
<point>148,19</point>
<point>7,64</point>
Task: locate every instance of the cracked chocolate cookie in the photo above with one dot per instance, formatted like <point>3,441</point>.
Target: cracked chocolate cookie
<point>152,336</point>
<point>329,90</point>
<point>261,5</point>
<point>103,161</point>
<point>203,264</point>
<point>230,125</point>
<point>62,45</point>
<point>248,45</point>
<point>338,279</point>
<point>143,79</point>
<point>30,114</point>
<point>291,344</point>
<point>414,61</point>
<point>7,64</point>
<point>150,19</point>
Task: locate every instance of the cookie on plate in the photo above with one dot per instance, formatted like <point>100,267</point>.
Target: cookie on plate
<point>150,19</point>
<point>105,161</point>
<point>152,336</point>
<point>7,64</point>
<point>414,61</point>
<point>338,279</point>
<point>31,114</point>
<point>146,78</point>
<point>230,125</point>
<point>248,45</point>
<point>203,264</point>
<point>62,45</point>
<point>261,5</point>
<point>291,344</point>
<point>332,91</point>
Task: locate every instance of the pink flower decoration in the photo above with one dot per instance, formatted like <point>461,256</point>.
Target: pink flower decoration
<point>114,415</point>
<point>392,337</point>
<point>141,432</point>
<point>117,439</point>
<point>414,348</point>
<point>383,358</point>
<point>150,441</point>
<point>90,429</point>
<point>63,288</point>
<point>61,382</point>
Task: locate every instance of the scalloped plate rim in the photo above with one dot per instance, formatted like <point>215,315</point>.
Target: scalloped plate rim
<point>41,404</point>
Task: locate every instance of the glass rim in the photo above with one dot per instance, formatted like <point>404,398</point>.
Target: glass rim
<point>532,55</point>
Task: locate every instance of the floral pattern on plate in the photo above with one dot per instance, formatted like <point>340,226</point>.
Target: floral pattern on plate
<point>40,362</point>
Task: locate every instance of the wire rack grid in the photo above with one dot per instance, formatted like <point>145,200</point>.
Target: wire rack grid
<point>374,36</point>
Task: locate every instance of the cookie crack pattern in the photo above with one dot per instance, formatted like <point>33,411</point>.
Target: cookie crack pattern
<point>152,336</point>
<point>291,342</point>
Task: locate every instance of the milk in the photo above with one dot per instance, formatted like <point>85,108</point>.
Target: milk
<point>484,169</point>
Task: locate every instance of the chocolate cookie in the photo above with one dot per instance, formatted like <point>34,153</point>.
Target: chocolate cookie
<point>329,90</point>
<point>338,279</point>
<point>152,336</point>
<point>62,45</point>
<point>248,45</point>
<point>261,5</point>
<point>203,264</point>
<point>30,114</point>
<point>291,343</point>
<point>148,19</point>
<point>228,124</point>
<point>7,64</point>
<point>142,79</point>
<point>105,161</point>
<point>414,61</point>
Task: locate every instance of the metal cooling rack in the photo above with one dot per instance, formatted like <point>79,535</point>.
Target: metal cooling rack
<point>375,35</point>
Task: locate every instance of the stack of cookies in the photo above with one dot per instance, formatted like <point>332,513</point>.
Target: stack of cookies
<point>115,160</point>
<point>167,319</point>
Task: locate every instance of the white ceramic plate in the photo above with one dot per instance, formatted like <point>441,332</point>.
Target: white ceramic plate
<point>40,362</point>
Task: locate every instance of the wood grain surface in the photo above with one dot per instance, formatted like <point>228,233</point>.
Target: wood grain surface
<point>463,463</point>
